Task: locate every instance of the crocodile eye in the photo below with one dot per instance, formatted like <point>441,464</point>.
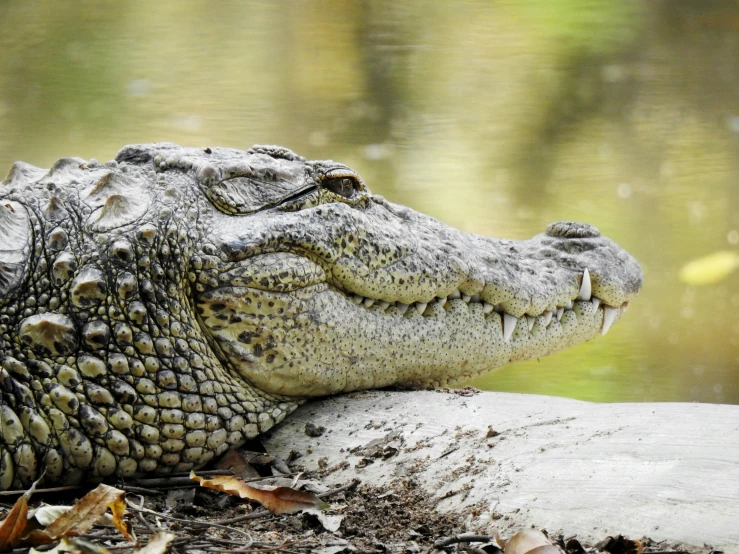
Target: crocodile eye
<point>343,186</point>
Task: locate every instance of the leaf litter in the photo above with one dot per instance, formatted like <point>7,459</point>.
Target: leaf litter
<point>224,514</point>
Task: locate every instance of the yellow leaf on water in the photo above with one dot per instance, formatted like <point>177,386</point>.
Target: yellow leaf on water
<point>710,269</point>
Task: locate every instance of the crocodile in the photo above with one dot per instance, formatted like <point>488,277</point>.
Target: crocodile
<point>161,308</point>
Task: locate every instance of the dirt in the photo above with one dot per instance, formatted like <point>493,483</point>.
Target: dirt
<point>399,518</point>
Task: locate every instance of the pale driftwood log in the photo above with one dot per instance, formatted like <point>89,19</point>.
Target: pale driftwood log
<point>666,471</point>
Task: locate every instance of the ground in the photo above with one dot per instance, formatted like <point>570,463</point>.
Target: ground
<point>399,518</point>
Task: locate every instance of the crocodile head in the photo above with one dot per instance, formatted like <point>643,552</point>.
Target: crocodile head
<point>307,284</point>
<point>162,307</point>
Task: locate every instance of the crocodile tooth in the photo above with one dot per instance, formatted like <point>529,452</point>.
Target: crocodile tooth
<point>624,307</point>
<point>368,302</point>
<point>569,305</point>
<point>560,311</point>
<point>548,318</point>
<point>596,302</point>
<point>487,308</point>
<point>509,324</point>
<point>402,308</point>
<point>466,298</point>
<point>383,305</point>
<point>530,322</point>
<point>609,316</point>
<point>475,298</point>
<point>357,299</point>
<point>585,288</point>
<point>421,307</point>
<point>442,301</point>
<point>455,294</point>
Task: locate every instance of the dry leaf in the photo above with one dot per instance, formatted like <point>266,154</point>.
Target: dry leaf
<point>45,515</point>
<point>525,541</point>
<point>281,500</point>
<point>235,461</point>
<point>14,526</point>
<point>546,549</point>
<point>73,545</point>
<point>330,523</point>
<point>85,513</point>
<point>157,543</point>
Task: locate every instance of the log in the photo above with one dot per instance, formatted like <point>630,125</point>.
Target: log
<point>668,471</point>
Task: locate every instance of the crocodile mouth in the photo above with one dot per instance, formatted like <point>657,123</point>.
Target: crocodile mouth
<point>509,322</point>
<point>322,339</point>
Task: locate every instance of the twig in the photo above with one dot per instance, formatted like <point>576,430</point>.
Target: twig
<point>141,490</point>
<point>37,491</point>
<point>464,537</point>
<point>191,521</point>
<point>253,515</point>
<point>342,488</point>
<point>148,525</point>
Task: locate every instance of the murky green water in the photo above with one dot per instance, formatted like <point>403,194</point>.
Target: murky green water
<point>496,117</point>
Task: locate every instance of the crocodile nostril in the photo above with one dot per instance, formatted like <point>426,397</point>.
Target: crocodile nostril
<point>572,230</point>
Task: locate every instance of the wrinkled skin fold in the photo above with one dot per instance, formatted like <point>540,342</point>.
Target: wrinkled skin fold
<point>166,306</point>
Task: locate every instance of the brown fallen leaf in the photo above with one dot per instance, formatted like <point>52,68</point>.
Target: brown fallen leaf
<point>282,500</point>
<point>620,545</point>
<point>14,526</point>
<point>85,513</point>
<point>528,541</point>
<point>233,460</point>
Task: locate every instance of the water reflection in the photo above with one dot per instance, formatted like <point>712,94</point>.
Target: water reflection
<point>497,119</point>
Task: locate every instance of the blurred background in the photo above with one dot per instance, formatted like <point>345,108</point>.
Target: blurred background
<point>495,117</point>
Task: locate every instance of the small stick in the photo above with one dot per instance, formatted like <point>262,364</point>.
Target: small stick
<point>342,488</point>
<point>37,491</point>
<point>464,537</point>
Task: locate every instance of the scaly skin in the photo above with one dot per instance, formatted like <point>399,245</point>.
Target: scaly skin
<point>164,307</point>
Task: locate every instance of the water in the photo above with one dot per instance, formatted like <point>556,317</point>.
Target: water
<point>497,118</point>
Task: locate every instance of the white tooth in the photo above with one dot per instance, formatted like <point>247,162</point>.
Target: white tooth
<point>421,307</point>
<point>383,304</point>
<point>402,308</point>
<point>487,308</point>
<point>585,288</point>
<point>548,318</point>
<point>609,316</point>
<point>455,294</point>
<point>509,324</point>
<point>596,302</point>
<point>466,298</point>
<point>569,305</point>
<point>530,321</point>
<point>368,302</point>
<point>357,299</point>
<point>475,298</point>
<point>624,307</point>
<point>442,302</point>
<point>560,311</point>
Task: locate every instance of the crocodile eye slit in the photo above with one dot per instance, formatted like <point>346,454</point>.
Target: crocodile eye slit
<point>342,186</point>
